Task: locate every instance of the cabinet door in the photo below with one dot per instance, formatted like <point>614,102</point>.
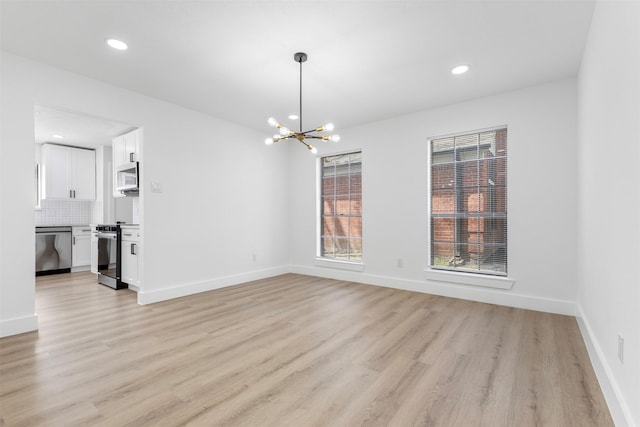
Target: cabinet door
<point>81,250</point>
<point>68,173</point>
<point>118,147</point>
<point>84,174</point>
<point>56,165</point>
<point>130,262</point>
<point>131,145</point>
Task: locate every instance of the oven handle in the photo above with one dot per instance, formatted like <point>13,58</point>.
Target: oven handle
<point>106,236</point>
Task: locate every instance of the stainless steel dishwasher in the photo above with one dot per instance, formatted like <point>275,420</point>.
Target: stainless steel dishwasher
<point>53,250</point>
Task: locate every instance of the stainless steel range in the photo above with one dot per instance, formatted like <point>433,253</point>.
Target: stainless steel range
<point>109,260</point>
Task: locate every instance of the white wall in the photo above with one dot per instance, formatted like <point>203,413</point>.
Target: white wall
<point>17,219</point>
<point>216,210</point>
<point>542,202</point>
<point>609,203</point>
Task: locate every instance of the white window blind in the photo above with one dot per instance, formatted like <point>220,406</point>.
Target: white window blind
<point>341,207</point>
<point>468,202</point>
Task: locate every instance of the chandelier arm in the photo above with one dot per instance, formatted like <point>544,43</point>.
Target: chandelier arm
<point>309,131</point>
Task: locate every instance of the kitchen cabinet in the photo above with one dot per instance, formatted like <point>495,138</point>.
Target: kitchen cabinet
<point>81,246</point>
<point>126,149</point>
<point>129,252</point>
<point>68,173</point>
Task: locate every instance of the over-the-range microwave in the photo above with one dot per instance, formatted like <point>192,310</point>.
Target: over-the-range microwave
<point>128,178</point>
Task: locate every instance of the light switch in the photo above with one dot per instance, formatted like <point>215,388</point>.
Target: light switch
<point>156,187</point>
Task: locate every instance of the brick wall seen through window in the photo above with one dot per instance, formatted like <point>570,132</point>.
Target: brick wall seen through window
<point>468,199</point>
<point>341,204</point>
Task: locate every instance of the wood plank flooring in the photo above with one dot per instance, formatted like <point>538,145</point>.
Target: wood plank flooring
<point>292,351</point>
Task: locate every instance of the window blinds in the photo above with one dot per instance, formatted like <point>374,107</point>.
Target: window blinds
<point>468,202</point>
<point>341,204</point>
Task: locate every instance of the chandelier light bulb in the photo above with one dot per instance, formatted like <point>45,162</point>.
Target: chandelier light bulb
<point>328,127</point>
<point>272,121</point>
<point>284,130</point>
<point>268,141</point>
<point>334,138</point>
<point>313,149</point>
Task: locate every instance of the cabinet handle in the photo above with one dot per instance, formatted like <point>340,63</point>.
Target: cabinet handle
<point>131,157</point>
<point>74,239</point>
<point>133,249</point>
<point>74,194</point>
<point>71,194</point>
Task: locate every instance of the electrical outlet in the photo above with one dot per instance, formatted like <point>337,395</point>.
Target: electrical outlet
<point>254,257</point>
<point>621,348</point>
<point>400,263</point>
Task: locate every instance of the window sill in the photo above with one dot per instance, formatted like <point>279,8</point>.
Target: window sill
<point>485,281</point>
<point>341,265</point>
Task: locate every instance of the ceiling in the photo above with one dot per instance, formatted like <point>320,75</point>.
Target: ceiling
<point>77,129</point>
<point>367,60</point>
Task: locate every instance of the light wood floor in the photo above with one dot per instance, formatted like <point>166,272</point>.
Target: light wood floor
<point>292,351</point>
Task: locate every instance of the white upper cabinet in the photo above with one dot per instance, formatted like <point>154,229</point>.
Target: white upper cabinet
<point>68,173</point>
<point>132,146</point>
<point>83,165</point>
<point>55,172</point>
<point>126,149</point>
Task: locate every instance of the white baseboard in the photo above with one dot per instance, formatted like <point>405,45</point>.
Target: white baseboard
<point>18,325</point>
<point>149,297</point>
<point>474,293</point>
<point>618,406</point>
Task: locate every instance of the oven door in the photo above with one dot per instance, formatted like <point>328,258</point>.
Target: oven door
<point>107,258</point>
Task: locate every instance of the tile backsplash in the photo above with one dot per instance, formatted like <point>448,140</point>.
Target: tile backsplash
<point>64,212</point>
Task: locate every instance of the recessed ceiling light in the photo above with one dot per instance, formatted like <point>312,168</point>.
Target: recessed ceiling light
<point>117,44</point>
<point>55,135</point>
<point>460,69</point>
<point>293,116</point>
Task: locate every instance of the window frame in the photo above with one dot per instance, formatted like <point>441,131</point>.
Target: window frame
<point>464,276</point>
<point>320,259</point>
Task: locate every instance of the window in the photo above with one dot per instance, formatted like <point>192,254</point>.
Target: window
<point>469,202</point>
<point>341,207</point>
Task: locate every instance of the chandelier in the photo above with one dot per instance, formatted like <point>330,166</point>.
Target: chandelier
<point>286,133</point>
